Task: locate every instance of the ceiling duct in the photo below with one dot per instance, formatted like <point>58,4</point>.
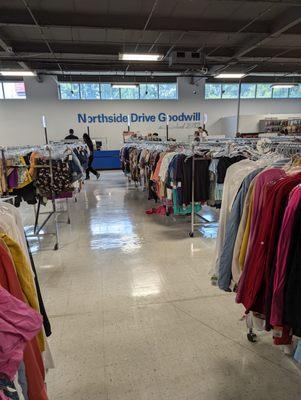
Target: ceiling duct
<point>186,58</point>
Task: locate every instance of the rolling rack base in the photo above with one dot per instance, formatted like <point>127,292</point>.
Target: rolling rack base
<point>53,213</point>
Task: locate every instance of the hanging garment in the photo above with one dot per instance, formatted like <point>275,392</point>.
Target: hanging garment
<point>34,367</point>
<point>62,178</point>
<point>224,163</point>
<point>11,223</point>
<point>234,178</point>
<point>25,277</point>
<point>254,286</point>
<point>244,229</point>
<point>46,322</point>
<point>255,208</point>
<point>22,380</point>
<point>292,292</point>
<point>297,355</point>
<point>8,390</point>
<point>19,324</point>
<point>225,263</point>
<point>282,268</point>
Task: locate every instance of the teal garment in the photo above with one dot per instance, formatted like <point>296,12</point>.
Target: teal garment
<point>180,210</point>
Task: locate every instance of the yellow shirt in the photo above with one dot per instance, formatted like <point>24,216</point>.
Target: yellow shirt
<point>25,277</point>
<point>245,240</point>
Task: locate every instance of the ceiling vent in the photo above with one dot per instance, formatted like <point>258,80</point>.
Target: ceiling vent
<point>186,57</point>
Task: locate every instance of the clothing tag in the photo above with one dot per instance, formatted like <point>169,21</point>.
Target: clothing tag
<point>70,157</point>
<point>179,184</point>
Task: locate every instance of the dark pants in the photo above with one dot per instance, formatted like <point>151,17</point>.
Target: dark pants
<point>90,169</point>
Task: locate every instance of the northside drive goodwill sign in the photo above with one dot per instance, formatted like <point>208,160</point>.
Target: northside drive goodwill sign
<point>135,117</point>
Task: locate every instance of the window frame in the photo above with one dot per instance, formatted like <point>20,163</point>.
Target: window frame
<point>288,96</point>
<point>101,91</point>
<point>12,98</point>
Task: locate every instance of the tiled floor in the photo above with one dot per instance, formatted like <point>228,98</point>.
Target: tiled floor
<point>134,316</point>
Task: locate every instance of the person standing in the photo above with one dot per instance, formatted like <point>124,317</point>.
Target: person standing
<point>200,135</point>
<point>89,143</point>
<point>71,135</point>
<point>203,134</point>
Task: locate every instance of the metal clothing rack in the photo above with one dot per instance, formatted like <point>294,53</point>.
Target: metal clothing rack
<point>210,143</point>
<point>217,142</point>
<point>37,229</point>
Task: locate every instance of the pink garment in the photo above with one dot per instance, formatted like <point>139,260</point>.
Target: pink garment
<point>161,210</point>
<point>282,255</point>
<point>18,325</point>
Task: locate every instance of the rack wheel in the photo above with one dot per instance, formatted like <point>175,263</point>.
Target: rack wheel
<point>69,222</point>
<point>75,200</point>
<point>56,246</point>
<point>191,234</point>
<point>252,337</point>
<point>167,213</point>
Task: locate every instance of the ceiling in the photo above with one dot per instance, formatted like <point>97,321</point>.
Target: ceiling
<point>86,36</point>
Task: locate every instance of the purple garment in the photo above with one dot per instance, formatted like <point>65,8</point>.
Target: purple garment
<point>18,325</point>
<point>12,179</point>
<point>282,257</point>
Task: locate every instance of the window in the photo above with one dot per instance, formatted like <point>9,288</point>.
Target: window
<point>280,93</point>
<point>89,91</point>
<point>248,91</point>
<point>129,93</point>
<point>13,90</point>
<point>105,91</point>
<point>69,91</point>
<point>213,91</point>
<point>1,91</point>
<point>295,93</point>
<point>149,91</point>
<point>168,91</point>
<point>264,91</point>
<point>109,93</point>
<point>230,91</point>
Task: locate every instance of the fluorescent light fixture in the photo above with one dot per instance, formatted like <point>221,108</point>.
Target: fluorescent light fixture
<point>225,75</point>
<point>140,57</point>
<point>124,85</point>
<point>284,85</point>
<point>17,73</point>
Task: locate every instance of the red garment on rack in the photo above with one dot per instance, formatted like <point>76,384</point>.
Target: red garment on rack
<point>268,176</point>
<point>255,290</point>
<point>35,372</point>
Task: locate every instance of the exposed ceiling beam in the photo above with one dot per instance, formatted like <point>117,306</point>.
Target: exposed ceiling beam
<point>43,56</point>
<point>132,22</point>
<point>287,20</point>
<point>275,2</point>
<point>9,51</point>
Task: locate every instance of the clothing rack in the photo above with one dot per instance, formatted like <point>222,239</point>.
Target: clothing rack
<point>211,143</point>
<point>53,213</point>
<point>287,148</point>
<point>277,144</point>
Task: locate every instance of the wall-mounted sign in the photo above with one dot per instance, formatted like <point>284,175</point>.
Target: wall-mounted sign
<point>85,118</point>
